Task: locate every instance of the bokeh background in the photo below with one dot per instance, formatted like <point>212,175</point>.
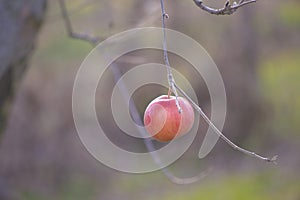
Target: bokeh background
<point>257,50</point>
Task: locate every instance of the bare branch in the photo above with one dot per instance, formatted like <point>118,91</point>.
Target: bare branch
<point>92,40</point>
<point>228,9</point>
<point>216,130</point>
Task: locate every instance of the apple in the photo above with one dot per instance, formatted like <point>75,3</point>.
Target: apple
<point>163,121</point>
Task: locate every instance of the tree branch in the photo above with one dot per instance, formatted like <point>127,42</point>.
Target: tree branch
<point>69,27</point>
<point>217,131</point>
<point>228,9</point>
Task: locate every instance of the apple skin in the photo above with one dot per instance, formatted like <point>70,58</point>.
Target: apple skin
<point>163,121</point>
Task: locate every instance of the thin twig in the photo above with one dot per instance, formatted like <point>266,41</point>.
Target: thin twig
<point>228,9</point>
<point>68,24</point>
<point>216,130</point>
<point>171,80</point>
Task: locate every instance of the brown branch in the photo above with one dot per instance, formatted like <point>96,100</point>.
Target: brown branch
<point>92,40</point>
<point>217,131</point>
<point>228,9</point>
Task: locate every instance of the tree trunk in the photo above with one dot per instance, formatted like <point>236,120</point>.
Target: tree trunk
<point>20,21</point>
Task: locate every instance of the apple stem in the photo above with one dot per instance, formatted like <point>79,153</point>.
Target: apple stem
<point>216,130</point>
<point>169,93</point>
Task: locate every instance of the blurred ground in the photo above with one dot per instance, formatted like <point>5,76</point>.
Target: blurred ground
<point>257,50</point>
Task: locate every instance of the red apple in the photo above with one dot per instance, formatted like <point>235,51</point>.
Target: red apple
<point>163,121</point>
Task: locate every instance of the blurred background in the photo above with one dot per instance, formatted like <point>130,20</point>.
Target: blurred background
<point>256,49</point>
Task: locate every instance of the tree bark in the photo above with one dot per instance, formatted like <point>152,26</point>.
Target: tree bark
<point>20,21</point>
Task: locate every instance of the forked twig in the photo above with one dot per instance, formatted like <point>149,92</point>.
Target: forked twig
<point>228,9</point>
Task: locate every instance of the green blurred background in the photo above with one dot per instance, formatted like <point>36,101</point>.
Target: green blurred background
<point>257,50</point>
